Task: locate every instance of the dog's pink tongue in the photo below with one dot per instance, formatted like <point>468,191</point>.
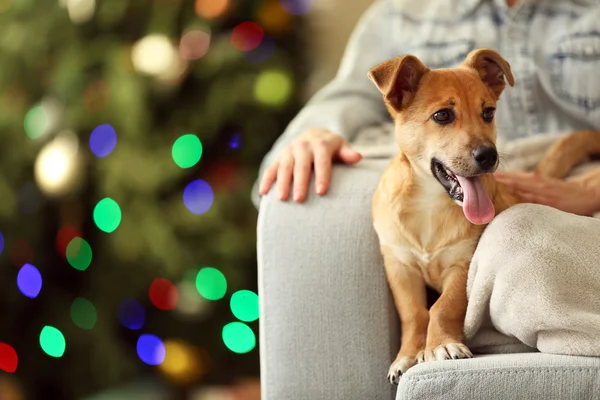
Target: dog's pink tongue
<point>477,205</point>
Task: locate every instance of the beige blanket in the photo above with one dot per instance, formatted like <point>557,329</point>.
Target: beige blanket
<point>534,282</point>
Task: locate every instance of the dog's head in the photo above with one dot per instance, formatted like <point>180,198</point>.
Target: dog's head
<point>445,121</point>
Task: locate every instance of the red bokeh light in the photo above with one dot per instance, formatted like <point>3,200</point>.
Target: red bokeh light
<point>8,358</point>
<point>163,294</point>
<point>64,237</point>
<point>247,36</point>
<point>20,252</point>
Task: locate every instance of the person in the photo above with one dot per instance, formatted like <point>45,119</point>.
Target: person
<point>552,46</point>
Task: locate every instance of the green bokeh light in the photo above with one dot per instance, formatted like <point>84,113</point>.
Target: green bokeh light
<point>36,122</point>
<point>187,151</point>
<point>244,305</point>
<point>238,337</point>
<point>52,341</point>
<point>273,88</point>
<point>79,254</point>
<point>211,283</point>
<point>107,215</point>
<point>83,313</point>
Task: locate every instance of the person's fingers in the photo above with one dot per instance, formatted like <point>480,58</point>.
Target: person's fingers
<point>268,178</point>
<point>284,174</point>
<point>322,160</point>
<point>302,166</point>
<point>347,155</point>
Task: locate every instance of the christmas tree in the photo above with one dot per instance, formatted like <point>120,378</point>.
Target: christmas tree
<point>131,133</point>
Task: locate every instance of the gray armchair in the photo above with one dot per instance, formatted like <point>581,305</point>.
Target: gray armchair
<point>329,329</point>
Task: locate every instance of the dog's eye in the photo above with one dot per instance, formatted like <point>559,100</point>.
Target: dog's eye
<point>488,114</point>
<point>443,117</point>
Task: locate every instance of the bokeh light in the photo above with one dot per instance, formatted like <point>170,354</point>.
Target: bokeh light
<point>103,140</point>
<point>247,36</point>
<point>132,314</point>
<point>155,55</point>
<point>20,252</point>
<point>183,362</point>
<point>28,198</point>
<point>57,168</point>
<point>297,7</point>
<point>273,18</point>
<point>37,122</point>
<point>238,337</point>
<point>52,341</point>
<point>194,44</point>
<point>107,215</point>
<point>80,11</point>
<point>8,358</point>
<point>163,294</point>
<point>262,53</point>
<point>198,196</point>
<point>151,349</point>
<point>235,141</point>
<point>83,313</point>
<point>273,88</point>
<point>244,305</point>
<point>211,8</point>
<point>79,254</point>
<point>1,242</point>
<point>64,236</point>
<point>29,281</point>
<point>187,151</point>
<point>211,283</point>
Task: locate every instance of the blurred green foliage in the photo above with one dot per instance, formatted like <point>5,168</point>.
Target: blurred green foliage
<point>86,68</point>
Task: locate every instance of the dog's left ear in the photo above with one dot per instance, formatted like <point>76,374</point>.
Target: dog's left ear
<point>492,69</point>
<point>397,79</point>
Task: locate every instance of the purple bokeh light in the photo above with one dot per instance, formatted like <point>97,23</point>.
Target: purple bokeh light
<point>132,314</point>
<point>262,53</point>
<point>198,196</point>
<point>103,140</point>
<point>297,7</point>
<point>29,281</point>
<point>151,349</point>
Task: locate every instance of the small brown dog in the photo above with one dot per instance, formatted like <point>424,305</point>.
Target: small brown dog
<point>444,127</point>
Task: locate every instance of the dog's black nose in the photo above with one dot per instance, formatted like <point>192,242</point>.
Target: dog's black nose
<point>485,157</point>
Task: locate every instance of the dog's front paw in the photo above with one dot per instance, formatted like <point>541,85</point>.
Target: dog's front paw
<point>399,367</point>
<point>445,352</point>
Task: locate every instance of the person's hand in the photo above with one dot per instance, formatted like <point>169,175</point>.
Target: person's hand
<point>317,147</point>
<point>569,196</point>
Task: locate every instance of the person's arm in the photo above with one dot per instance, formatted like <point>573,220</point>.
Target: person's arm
<point>350,102</point>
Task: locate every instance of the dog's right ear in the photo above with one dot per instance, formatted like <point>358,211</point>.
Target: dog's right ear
<point>397,79</point>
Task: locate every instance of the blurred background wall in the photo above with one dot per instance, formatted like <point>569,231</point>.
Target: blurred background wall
<point>130,136</point>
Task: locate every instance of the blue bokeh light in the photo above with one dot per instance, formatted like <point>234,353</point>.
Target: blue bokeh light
<point>198,196</point>
<point>297,7</point>
<point>235,141</point>
<point>262,53</point>
<point>132,314</point>
<point>151,349</point>
<point>29,281</point>
<point>1,243</point>
<point>103,140</point>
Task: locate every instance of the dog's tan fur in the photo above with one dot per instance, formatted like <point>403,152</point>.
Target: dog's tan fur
<point>424,236</point>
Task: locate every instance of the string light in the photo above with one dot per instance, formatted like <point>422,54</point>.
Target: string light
<point>198,196</point>
<point>247,36</point>
<point>238,337</point>
<point>29,281</point>
<point>8,358</point>
<point>211,8</point>
<point>79,254</point>
<point>83,313</point>
<point>194,45</point>
<point>107,215</point>
<point>211,283</point>
<point>52,341</point>
<point>80,11</point>
<point>150,349</point>
<point>187,151</point>
<point>132,314</point>
<point>57,165</point>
